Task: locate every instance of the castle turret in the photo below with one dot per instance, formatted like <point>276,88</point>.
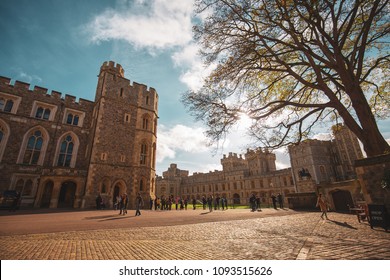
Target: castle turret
<point>260,162</point>
<point>124,135</point>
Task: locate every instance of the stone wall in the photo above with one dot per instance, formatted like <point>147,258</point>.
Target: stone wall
<point>371,172</point>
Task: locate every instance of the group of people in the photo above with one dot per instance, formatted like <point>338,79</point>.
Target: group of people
<point>165,203</point>
<point>210,202</point>
<point>277,198</point>
<point>215,203</point>
<point>121,203</point>
<point>255,202</point>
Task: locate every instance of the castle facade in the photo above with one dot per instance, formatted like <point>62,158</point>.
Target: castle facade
<point>241,176</point>
<point>61,153</point>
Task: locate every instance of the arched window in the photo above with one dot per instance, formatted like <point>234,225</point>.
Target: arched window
<point>145,122</point>
<point>66,152</point>
<point>43,113</point>
<point>19,185</point>
<point>34,148</point>
<point>143,154</point>
<point>4,133</point>
<point>27,190</point>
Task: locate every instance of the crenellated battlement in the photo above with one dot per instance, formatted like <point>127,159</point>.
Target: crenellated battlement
<point>20,88</point>
<point>111,67</point>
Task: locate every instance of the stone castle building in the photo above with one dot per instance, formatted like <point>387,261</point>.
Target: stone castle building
<point>316,166</point>
<point>61,153</point>
<point>241,176</point>
<point>328,167</point>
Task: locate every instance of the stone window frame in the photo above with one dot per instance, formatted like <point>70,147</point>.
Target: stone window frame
<point>127,118</point>
<point>17,178</point>
<point>5,130</point>
<point>105,186</point>
<point>76,145</point>
<point>10,98</point>
<point>73,112</point>
<point>45,106</point>
<point>143,153</point>
<point>23,147</point>
<point>146,120</point>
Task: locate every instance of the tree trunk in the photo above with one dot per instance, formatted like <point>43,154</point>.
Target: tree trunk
<point>374,143</point>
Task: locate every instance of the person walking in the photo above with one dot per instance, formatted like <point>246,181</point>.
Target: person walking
<point>252,201</point>
<point>258,203</point>
<point>125,201</point>
<point>273,197</point>
<point>280,200</point>
<point>210,203</point>
<point>321,202</point>
<point>138,204</point>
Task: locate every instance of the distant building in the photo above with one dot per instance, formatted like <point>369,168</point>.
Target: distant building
<point>325,161</point>
<point>61,153</point>
<point>255,173</point>
<point>327,167</point>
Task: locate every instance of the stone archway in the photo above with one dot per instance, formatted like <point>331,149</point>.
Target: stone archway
<point>119,188</point>
<point>67,194</point>
<point>116,193</point>
<point>46,195</point>
<point>236,198</point>
<point>341,200</point>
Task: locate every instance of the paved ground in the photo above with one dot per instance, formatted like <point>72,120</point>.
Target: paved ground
<point>233,234</point>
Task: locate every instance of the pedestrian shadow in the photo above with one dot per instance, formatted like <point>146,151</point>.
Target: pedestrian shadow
<point>204,213</point>
<point>117,218</point>
<point>100,217</point>
<point>345,224</point>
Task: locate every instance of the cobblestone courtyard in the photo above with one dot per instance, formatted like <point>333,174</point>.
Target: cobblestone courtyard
<point>185,235</point>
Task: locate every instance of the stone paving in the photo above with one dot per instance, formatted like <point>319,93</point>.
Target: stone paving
<point>271,235</point>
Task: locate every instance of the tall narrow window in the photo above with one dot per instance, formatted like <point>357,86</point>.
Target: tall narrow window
<point>66,151</point>
<point>145,123</point>
<point>33,149</point>
<point>143,154</point>
<point>141,185</point>
<point>8,106</point>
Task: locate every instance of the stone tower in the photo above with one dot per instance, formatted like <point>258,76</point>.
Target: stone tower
<point>123,139</point>
<point>260,162</point>
<point>347,149</point>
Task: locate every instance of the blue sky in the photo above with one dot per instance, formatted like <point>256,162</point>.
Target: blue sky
<point>61,45</point>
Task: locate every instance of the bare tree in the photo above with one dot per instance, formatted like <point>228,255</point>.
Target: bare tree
<point>293,64</point>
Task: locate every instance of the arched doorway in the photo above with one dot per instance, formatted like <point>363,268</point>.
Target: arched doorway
<point>115,194</point>
<point>67,195</point>
<point>341,200</point>
<point>236,198</point>
<point>46,195</point>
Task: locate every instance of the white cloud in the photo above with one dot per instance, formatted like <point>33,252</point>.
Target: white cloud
<point>29,78</point>
<point>180,138</point>
<point>188,58</point>
<point>323,136</point>
<point>151,24</point>
<point>154,25</point>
